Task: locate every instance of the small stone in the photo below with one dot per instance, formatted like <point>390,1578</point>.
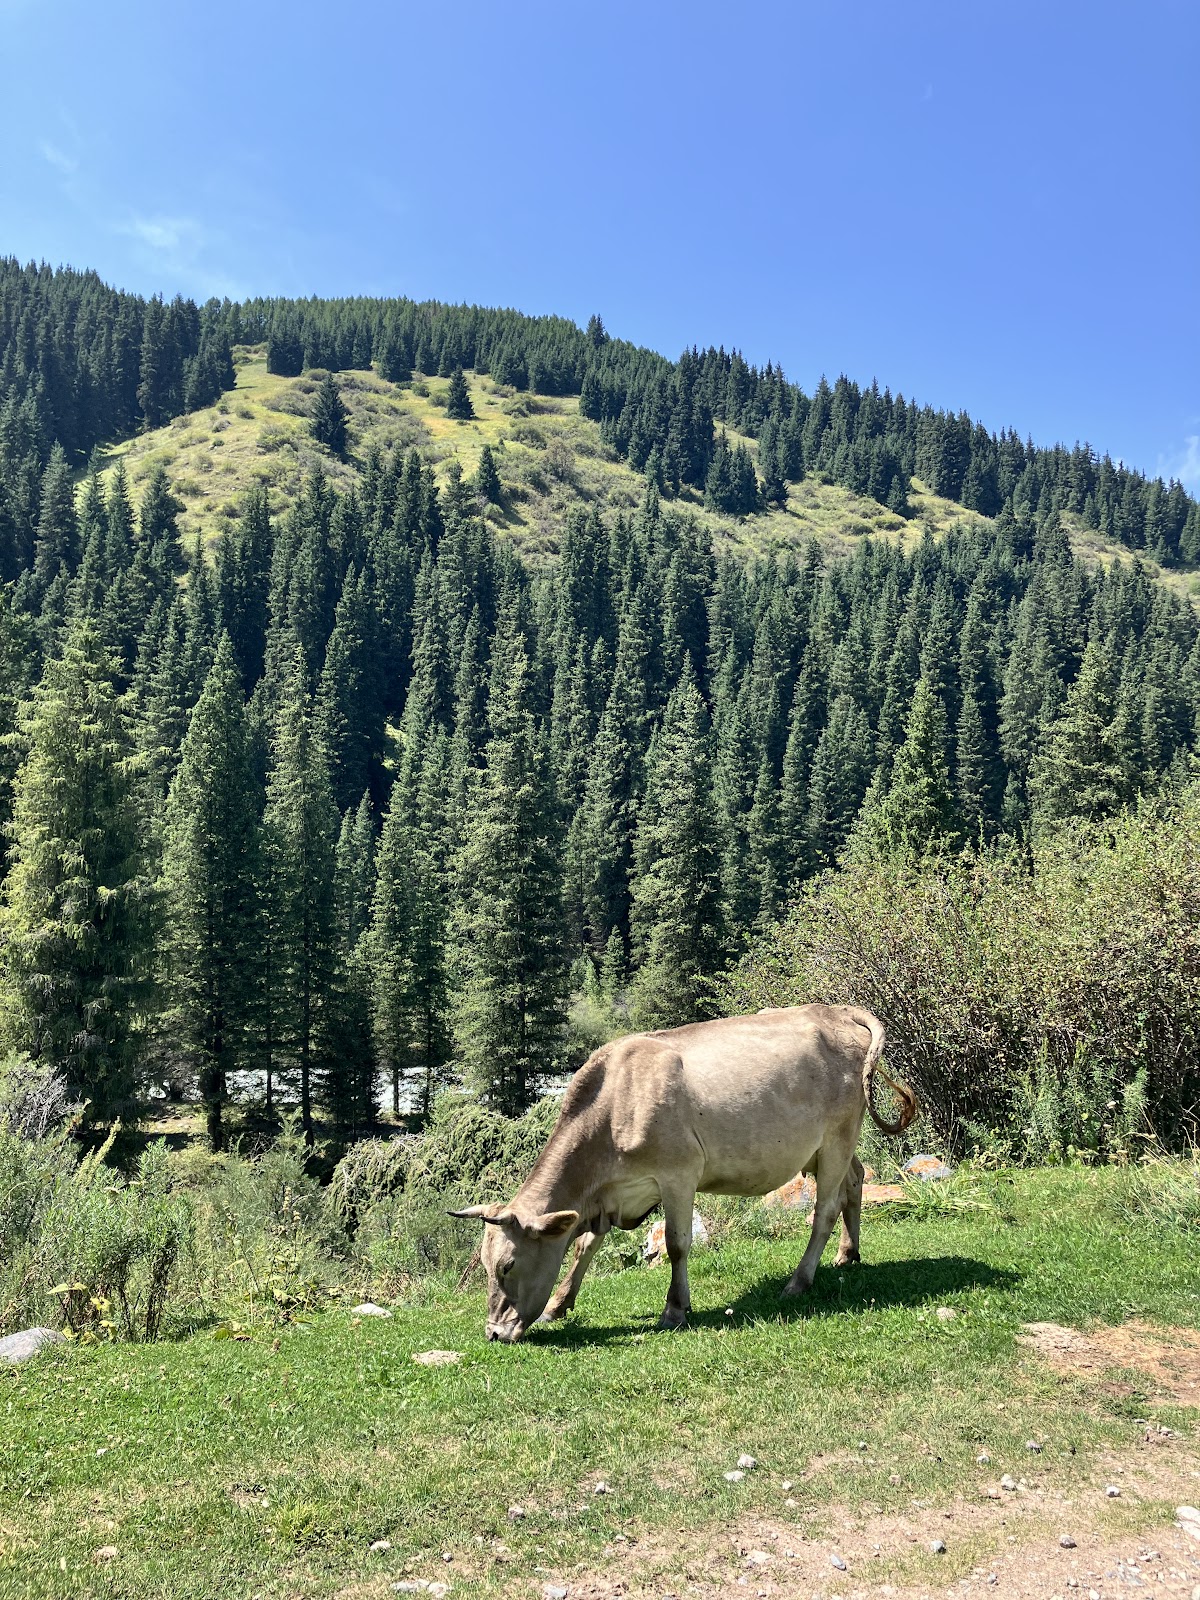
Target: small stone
<point>602,1488</point>
<point>836,1561</point>
<point>1007,1483</point>
<point>106,1552</point>
<point>1113,1492</point>
<point>369,1309</point>
<point>554,1591</point>
<point>982,1458</point>
<point>937,1547</point>
<point>757,1558</point>
<point>446,1556</point>
<point>1034,1446</point>
<point>437,1358</point>
<point>787,1486</point>
<point>1188,1518</point>
<point>1067,1542</point>
<point>945,1313</point>
<point>862,1444</point>
<point>992,1578</point>
<point>791,1504</point>
<point>734,1477</point>
<point>747,1463</point>
<point>894,1477</point>
<point>380,1546</point>
<point>516,1513</point>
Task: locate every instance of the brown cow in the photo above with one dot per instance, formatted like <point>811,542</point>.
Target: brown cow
<point>736,1106</point>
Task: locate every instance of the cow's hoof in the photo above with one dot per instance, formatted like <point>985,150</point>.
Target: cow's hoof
<point>672,1319</point>
<point>850,1259</point>
<point>794,1288</point>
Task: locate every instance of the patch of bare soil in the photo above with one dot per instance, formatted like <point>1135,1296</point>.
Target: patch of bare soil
<point>1007,1542</point>
<point>1170,1357</point>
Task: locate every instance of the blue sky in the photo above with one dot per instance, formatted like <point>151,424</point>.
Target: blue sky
<point>989,207</point>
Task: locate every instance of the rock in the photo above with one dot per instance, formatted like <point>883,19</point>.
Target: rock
<point>937,1547</point>
<point>797,1194</point>
<point>982,1458</point>
<point>747,1463</point>
<point>21,1346</point>
<point>787,1486</point>
<point>369,1309</point>
<point>106,1552</point>
<point>380,1546</point>
<point>757,1558</point>
<point>791,1504</point>
<point>894,1477</point>
<point>1067,1542</point>
<point>1113,1492</point>
<point>945,1313</point>
<point>655,1247</point>
<point>734,1477</point>
<point>1007,1483</point>
<point>516,1513</point>
<point>836,1561</point>
<point>602,1488</point>
<point>1188,1518</point>
<point>554,1591</point>
<point>930,1169</point>
<point>411,1586</point>
<point>1032,1444</point>
<point>437,1358</point>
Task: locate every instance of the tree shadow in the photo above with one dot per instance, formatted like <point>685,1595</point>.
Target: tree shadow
<point>835,1291</point>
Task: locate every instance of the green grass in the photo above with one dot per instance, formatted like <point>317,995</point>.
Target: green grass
<point>268,1465</point>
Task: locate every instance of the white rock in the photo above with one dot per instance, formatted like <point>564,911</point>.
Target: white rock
<point>1113,1492</point>
<point>1067,1542</point>
<point>836,1561</point>
<point>602,1488</point>
<point>380,1546</point>
<point>655,1246</point>
<point>787,1486</point>
<point>411,1586</point>
<point>757,1558</point>
<point>937,1547</point>
<point>1007,1483</point>
<point>791,1504</point>
<point>1032,1444</point>
<point>734,1477</point>
<point>554,1591</point>
<point>21,1346</point>
<point>516,1513</point>
<point>747,1463</point>
<point>982,1458</point>
<point>106,1552</point>
<point>945,1313</point>
<point>1188,1518</point>
<point>437,1590</point>
<point>369,1309</point>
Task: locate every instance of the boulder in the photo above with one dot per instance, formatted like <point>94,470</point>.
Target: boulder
<point>797,1194</point>
<point>930,1169</point>
<point>21,1346</point>
<point>655,1247</point>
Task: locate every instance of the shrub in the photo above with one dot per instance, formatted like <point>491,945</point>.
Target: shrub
<point>1055,1009</point>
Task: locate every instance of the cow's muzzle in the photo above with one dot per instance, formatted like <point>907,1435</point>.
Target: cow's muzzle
<point>506,1332</point>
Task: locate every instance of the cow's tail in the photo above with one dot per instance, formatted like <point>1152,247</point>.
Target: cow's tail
<point>909,1105</point>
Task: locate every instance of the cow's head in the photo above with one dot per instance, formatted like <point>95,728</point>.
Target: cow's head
<point>522,1256</point>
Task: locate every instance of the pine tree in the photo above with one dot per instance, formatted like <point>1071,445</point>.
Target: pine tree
<point>301,827</point>
<point>56,547</point>
<point>841,770</point>
<point>350,1087</point>
<point>677,913</point>
<point>209,881</point>
<point>511,1010</point>
<point>330,416</point>
<point>917,815</point>
<point>487,478</point>
<point>458,398</point>
<point>75,925</point>
<point>1079,771</point>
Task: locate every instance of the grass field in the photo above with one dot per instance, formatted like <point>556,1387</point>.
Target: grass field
<point>549,458</point>
<point>268,1464</point>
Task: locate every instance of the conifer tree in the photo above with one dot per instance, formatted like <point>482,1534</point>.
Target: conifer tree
<point>487,478</point>
<point>917,815</point>
<point>677,913</point>
<point>56,547</point>
<point>458,398</point>
<point>76,920</point>
<point>350,1087</point>
<point>511,1010</point>
<point>1079,772</point>
<point>301,827</point>
<point>330,417</point>
<point>209,881</point>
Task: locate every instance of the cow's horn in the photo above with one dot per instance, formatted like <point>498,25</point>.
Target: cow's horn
<point>471,1211</point>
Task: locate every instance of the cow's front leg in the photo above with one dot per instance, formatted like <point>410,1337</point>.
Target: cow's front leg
<point>564,1298</point>
<point>677,1212</point>
<point>851,1214</point>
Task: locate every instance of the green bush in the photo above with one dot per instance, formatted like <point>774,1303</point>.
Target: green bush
<point>1043,1011</point>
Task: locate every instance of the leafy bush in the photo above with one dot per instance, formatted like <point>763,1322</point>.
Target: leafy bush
<point>1048,1012</point>
<point>1165,1192</point>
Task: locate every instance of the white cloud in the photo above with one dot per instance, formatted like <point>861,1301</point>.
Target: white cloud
<point>177,245</point>
<point>65,164</point>
<point>1183,463</point>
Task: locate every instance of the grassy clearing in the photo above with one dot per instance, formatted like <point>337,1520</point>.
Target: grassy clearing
<point>269,1464</point>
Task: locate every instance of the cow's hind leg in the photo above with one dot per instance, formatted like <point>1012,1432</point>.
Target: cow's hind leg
<point>832,1165</point>
<point>563,1300</point>
<point>851,1200</point>
<point>678,1205</point>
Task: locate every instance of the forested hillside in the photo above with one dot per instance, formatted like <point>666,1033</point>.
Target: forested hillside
<point>350,791</point>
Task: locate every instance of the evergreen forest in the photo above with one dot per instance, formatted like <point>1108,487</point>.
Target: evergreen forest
<point>355,800</point>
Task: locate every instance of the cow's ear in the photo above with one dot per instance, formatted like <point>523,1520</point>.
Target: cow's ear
<point>553,1224</point>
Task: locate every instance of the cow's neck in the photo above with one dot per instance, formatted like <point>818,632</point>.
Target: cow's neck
<point>567,1175</point>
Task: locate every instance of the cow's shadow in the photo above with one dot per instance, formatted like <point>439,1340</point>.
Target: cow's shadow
<point>837,1291</point>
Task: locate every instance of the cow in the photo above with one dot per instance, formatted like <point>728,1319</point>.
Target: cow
<point>734,1106</point>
